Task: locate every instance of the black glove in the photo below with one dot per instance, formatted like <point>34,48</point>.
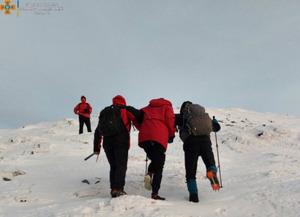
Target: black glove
<point>215,125</point>
<point>170,140</point>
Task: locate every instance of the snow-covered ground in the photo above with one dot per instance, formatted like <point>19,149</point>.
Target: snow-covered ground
<point>43,172</point>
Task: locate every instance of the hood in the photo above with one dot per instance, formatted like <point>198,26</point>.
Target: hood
<point>159,102</point>
<point>183,106</point>
<point>119,100</point>
<point>83,97</point>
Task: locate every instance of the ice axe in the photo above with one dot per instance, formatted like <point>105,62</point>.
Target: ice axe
<point>88,157</point>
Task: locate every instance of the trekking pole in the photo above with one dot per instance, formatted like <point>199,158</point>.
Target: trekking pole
<point>146,173</point>
<point>219,165</point>
<point>88,157</point>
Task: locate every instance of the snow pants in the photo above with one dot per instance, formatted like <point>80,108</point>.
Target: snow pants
<point>84,120</point>
<point>194,147</point>
<point>117,156</point>
<point>156,153</point>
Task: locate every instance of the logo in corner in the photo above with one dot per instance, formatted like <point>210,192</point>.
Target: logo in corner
<point>7,7</point>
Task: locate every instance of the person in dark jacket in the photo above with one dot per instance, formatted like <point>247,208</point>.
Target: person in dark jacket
<point>116,149</point>
<point>156,125</point>
<point>195,146</point>
<point>84,110</point>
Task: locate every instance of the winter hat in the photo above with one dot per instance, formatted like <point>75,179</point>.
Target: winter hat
<point>83,97</point>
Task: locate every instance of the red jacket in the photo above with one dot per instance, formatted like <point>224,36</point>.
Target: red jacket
<point>158,122</point>
<point>80,109</point>
<point>126,116</point>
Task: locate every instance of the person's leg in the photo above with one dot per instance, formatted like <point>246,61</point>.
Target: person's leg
<point>88,124</point>
<point>209,161</point>
<point>121,157</point>
<point>208,156</point>
<point>191,154</point>
<point>147,146</point>
<point>156,153</point>
<point>112,163</point>
<point>81,122</point>
<point>148,175</point>
<point>156,167</point>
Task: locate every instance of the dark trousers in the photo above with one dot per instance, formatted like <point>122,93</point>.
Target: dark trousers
<point>194,148</point>
<point>117,156</point>
<point>156,153</point>
<point>84,120</point>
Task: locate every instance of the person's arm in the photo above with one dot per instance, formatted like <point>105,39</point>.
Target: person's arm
<point>97,140</point>
<point>170,121</point>
<point>138,114</point>
<point>178,120</point>
<point>90,109</point>
<point>76,109</point>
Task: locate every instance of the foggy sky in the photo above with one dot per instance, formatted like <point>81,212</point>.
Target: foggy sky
<point>220,54</point>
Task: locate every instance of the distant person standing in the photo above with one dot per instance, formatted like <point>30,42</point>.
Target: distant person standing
<point>84,110</point>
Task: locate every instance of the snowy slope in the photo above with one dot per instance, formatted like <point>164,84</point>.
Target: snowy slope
<point>43,173</point>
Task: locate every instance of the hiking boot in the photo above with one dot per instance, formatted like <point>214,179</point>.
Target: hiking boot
<point>194,198</point>
<point>114,193</point>
<point>212,176</point>
<point>147,183</point>
<point>156,197</point>
<point>117,193</point>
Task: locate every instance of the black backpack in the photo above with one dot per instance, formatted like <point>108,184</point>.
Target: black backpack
<point>110,121</point>
<point>197,120</point>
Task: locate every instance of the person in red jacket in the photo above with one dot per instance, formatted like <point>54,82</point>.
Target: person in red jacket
<point>157,129</point>
<point>84,110</point>
<point>116,149</point>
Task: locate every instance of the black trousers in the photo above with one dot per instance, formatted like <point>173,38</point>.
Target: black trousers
<point>117,156</point>
<point>193,148</point>
<point>156,153</point>
<point>84,120</point>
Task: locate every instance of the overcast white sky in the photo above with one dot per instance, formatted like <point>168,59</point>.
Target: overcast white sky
<point>218,53</point>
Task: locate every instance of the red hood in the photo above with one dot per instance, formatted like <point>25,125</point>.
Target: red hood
<point>82,99</point>
<point>159,102</point>
<point>119,100</point>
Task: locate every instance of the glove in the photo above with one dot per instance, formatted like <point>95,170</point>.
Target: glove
<point>215,125</point>
<point>170,140</point>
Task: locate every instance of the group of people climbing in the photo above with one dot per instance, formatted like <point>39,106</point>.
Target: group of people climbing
<point>157,125</point>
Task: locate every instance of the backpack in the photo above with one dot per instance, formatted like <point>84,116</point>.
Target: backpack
<point>110,121</point>
<point>197,120</point>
